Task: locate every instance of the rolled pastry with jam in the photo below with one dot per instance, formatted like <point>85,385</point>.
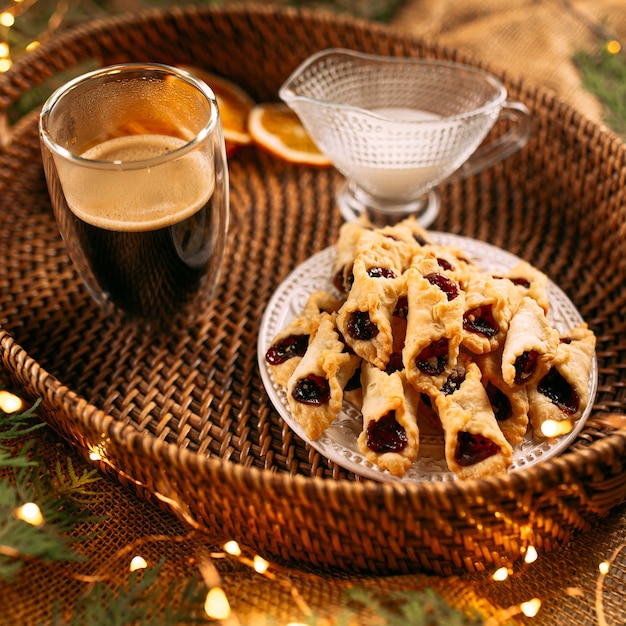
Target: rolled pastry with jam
<point>349,234</point>
<point>474,444</point>
<point>563,393</point>
<point>509,404</point>
<point>315,389</point>
<point>390,435</point>
<point>489,306</point>
<point>290,343</point>
<point>529,281</point>
<point>530,345</point>
<point>434,324</point>
<point>365,318</point>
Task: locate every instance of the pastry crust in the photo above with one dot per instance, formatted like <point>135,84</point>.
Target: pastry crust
<point>434,323</point>
<point>375,299</point>
<point>563,393</point>
<point>467,413</point>
<point>509,404</point>
<point>529,281</point>
<point>489,306</point>
<point>326,359</point>
<point>389,397</point>
<point>302,326</point>
<point>530,345</point>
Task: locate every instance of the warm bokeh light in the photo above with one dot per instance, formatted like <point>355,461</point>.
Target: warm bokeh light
<point>232,548</point>
<point>530,608</point>
<point>32,45</point>
<point>604,567</point>
<point>554,428</point>
<point>260,564</point>
<point>6,19</point>
<point>531,554</point>
<point>9,403</point>
<point>613,47</point>
<point>30,513</point>
<point>216,605</point>
<point>4,49</point>
<point>137,562</point>
<point>500,574</point>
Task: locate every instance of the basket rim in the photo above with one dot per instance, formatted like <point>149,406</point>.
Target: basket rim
<point>129,437</point>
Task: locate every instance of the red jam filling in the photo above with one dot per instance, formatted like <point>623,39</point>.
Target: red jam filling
<point>360,326</point>
<point>432,360</point>
<point>312,390</point>
<point>480,320</point>
<point>448,286</point>
<point>500,403</point>
<point>380,272</point>
<point>287,348</point>
<point>554,386</point>
<point>525,365</point>
<point>386,435</point>
<point>473,448</point>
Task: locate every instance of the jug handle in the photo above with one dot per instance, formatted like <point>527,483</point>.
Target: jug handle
<point>501,147</point>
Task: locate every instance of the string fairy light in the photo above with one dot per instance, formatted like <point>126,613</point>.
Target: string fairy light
<point>9,402</point>
<point>29,513</point>
<point>137,563</point>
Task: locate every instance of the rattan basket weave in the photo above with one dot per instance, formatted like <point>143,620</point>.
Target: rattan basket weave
<point>184,420</point>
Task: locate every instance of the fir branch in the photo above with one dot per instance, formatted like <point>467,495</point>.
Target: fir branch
<point>70,485</point>
<point>139,602</point>
<point>417,608</point>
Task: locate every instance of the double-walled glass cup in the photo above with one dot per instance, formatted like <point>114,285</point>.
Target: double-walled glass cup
<point>136,168</point>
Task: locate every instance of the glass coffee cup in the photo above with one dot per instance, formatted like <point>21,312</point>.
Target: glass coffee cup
<point>135,162</point>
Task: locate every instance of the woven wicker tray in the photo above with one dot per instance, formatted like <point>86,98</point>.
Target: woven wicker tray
<point>184,420</point>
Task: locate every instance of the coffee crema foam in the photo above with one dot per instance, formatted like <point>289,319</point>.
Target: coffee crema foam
<point>135,200</point>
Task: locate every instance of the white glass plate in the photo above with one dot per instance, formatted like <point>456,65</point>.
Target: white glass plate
<point>339,442</point>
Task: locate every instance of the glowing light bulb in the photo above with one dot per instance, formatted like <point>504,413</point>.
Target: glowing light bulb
<point>500,574</point>
<point>9,403</point>
<point>531,555</point>
<point>216,605</point>
<point>613,47</point>
<point>6,19</point>
<point>30,513</point>
<point>554,428</point>
<point>232,547</point>
<point>530,608</point>
<point>137,562</point>
<point>4,49</point>
<point>604,567</point>
<point>260,564</point>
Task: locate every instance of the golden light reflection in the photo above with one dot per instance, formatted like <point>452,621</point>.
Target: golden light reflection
<point>137,563</point>
<point>604,567</point>
<point>7,19</point>
<point>29,513</point>
<point>530,608</point>
<point>613,47</point>
<point>232,548</point>
<point>554,428</point>
<point>500,574</point>
<point>260,564</point>
<point>9,403</point>
<point>531,554</point>
<point>216,605</point>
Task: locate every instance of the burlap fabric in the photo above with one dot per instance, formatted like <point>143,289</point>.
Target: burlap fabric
<point>533,39</point>
<point>565,579</point>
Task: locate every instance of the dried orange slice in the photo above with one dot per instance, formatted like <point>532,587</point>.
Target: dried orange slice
<point>234,104</point>
<point>274,127</point>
